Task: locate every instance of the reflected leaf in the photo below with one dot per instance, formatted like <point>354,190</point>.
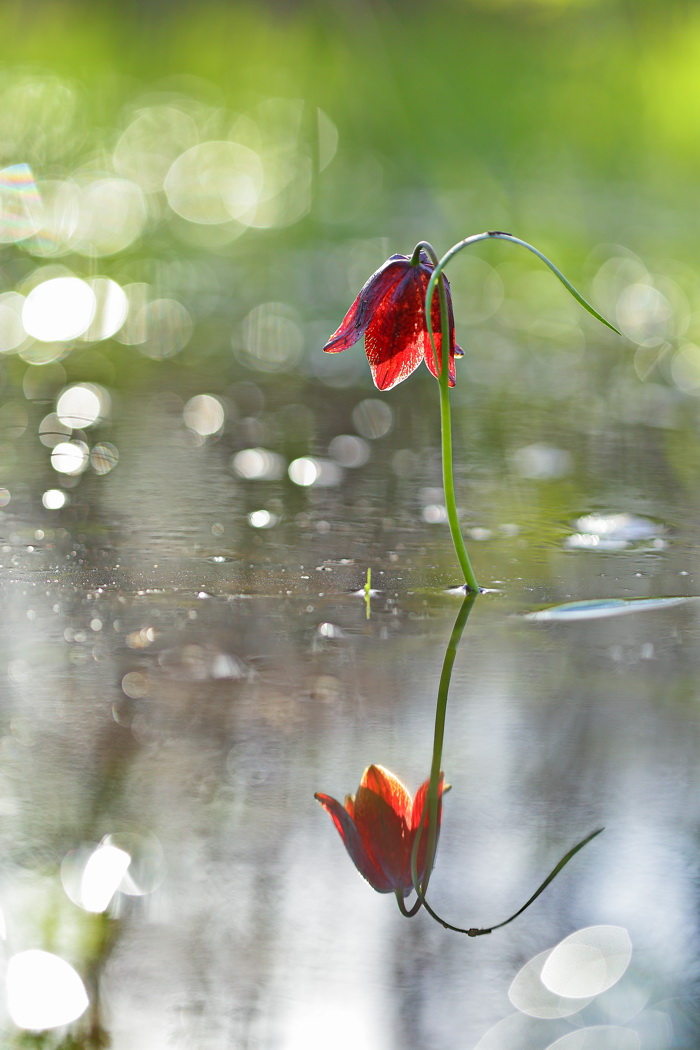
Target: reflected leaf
<point>599,608</point>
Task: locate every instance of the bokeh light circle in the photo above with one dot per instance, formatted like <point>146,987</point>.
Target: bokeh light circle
<point>214,182</point>
<point>167,327</point>
<point>258,464</point>
<point>148,146</point>
<point>598,1037</point>
<point>54,499</point>
<point>685,369</point>
<point>43,991</point>
<point>12,333</point>
<point>272,338</point>
<point>104,457</point>
<point>588,962</point>
<point>82,405</point>
<point>311,470</point>
<point>372,418</point>
<point>59,309</point>
<point>204,414</point>
<point>531,997</point>
<point>112,216</point>
<point>70,457</point>
<point>52,431</point>
<point>349,451</point>
<point>111,308</point>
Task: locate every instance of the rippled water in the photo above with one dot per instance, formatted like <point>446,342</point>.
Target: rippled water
<point>188,657</point>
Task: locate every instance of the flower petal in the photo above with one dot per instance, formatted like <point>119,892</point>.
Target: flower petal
<point>385,836</point>
<point>419,804</point>
<point>437,330</point>
<point>354,844</point>
<point>383,783</point>
<point>395,337</point>
<point>360,315</point>
<point>421,798</point>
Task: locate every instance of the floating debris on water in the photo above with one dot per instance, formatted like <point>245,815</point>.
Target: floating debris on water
<point>597,608</point>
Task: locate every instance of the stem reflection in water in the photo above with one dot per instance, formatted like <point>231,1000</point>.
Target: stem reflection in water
<point>421,878</point>
<point>392,837</point>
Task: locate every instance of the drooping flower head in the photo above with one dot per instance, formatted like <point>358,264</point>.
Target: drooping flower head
<point>379,825</point>
<point>390,313</point>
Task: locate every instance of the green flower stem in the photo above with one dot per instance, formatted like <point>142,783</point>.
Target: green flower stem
<point>437,278</point>
<point>448,483</point>
<point>433,799</point>
<point>446,438</point>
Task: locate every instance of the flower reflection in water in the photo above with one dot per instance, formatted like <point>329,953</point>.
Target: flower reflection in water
<point>379,826</point>
<point>391,838</point>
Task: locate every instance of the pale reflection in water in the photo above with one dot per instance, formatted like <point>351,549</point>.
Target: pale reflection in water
<point>204,415</point>
<point>308,471</point>
<point>566,979</point>
<point>259,464</point>
<point>587,962</point>
<point>102,876</point>
<point>43,991</point>
<point>91,877</point>
<point>189,734</point>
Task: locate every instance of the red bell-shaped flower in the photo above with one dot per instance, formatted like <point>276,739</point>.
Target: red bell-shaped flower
<point>379,826</point>
<point>390,313</point>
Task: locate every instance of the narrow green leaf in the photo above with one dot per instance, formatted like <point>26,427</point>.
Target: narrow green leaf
<point>475,931</point>
<point>499,235</point>
<point>557,273</point>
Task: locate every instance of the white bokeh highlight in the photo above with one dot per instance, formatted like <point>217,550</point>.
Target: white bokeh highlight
<point>59,309</point>
<point>102,875</point>
<point>588,962</point>
<point>43,991</point>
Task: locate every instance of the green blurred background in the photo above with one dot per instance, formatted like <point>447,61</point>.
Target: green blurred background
<point>230,174</point>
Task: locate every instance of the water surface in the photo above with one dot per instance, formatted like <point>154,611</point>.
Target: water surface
<point>183,680</point>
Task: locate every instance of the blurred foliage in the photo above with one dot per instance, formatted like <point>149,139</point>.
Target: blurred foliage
<point>539,89</point>
<point>354,129</point>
